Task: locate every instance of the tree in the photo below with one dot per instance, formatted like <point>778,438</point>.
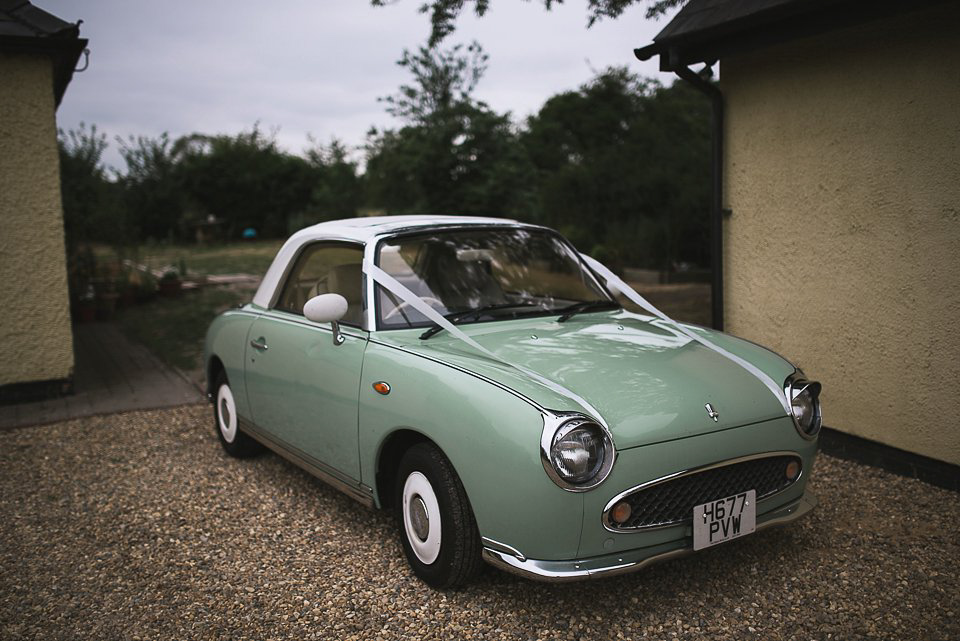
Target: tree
<point>467,162</point>
<point>444,13</point>
<point>90,207</point>
<point>442,79</point>
<point>454,155</point>
<point>246,181</point>
<point>622,168</point>
<point>153,186</point>
<point>338,188</point>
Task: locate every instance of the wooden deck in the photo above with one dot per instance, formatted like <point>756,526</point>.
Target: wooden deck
<point>112,374</point>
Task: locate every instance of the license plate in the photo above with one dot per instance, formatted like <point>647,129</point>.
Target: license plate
<point>724,519</point>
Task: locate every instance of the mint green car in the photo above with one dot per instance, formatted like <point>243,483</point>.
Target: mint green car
<point>479,378</point>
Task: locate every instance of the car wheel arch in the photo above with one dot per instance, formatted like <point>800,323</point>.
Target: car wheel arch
<point>388,460</point>
<point>214,367</point>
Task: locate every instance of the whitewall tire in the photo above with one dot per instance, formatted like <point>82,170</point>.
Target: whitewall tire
<point>436,523</point>
<point>226,413</point>
<point>421,517</point>
<point>227,421</point>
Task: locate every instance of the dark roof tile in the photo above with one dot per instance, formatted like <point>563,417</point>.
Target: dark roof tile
<point>704,30</point>
<point>20,18</point>
<point>28,29</point>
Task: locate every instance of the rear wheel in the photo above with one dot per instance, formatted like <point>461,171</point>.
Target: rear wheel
<point>437,528</point>
<point>235,442</point>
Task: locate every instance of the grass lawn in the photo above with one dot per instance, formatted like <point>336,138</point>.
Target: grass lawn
<point>174,328</point>
<point>252,257</point>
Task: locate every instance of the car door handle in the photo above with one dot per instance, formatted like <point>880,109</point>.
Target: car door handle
<point>260,344</point>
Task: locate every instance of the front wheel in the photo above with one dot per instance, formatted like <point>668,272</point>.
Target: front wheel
<point>235,442</point>
<point>437,528</point>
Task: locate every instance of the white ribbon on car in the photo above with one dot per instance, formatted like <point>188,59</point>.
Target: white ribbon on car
<point>396,288</point>
<point>630,293</point>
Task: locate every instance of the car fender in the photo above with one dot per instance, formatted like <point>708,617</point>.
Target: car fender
<point>490,434</point>
<point>226,340</point>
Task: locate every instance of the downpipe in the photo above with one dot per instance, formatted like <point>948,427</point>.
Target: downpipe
<point>716,205</point>
<point>716,200</point>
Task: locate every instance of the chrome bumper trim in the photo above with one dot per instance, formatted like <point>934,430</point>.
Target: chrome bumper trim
<point>503,547</point>
<point>678,475</point>
<point>631,560</point>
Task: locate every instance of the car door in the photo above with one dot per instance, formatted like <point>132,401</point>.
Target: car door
<point>301,385</point>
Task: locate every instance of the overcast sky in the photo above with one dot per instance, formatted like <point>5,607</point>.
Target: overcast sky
<point>315,66</point>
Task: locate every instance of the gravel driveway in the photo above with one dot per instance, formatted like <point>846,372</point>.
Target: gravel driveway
<point>137,526</point>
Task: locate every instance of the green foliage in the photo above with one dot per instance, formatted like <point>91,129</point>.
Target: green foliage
<point>623,164</point>
<point>455,155</point>
<point>337,189</point>
<point>91,206</point>
<point>245,181</point>
<point>443,80</point>
<point>444,13</point>
<point>153,186</point>
<point>237,181</point>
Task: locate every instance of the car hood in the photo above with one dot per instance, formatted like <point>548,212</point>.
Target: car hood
<point>648,383</point>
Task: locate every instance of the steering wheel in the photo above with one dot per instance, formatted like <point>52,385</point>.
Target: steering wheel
<point>429,300</point>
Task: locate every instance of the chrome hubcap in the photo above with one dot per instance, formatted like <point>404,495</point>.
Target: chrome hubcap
<point>419,518</point>
<point>422,522</point>
<point>225,412</point>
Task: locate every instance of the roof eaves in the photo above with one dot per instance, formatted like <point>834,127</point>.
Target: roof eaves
<point>706,30</point>
<point>35,21</point>
<point>25,28</point>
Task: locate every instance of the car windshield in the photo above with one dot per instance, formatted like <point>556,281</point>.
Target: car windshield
<point>474,275</point>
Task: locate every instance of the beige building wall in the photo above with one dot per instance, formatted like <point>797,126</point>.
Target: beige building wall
<point>35,338</point>
<point>843,250</point>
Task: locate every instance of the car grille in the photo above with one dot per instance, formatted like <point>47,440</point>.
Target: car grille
<point>671,502</point>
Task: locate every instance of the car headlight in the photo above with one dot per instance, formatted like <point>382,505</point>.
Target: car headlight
<point>577,453</point>
<point>804,397</point>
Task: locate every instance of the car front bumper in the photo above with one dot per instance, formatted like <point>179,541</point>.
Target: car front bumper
<point>500,555</point>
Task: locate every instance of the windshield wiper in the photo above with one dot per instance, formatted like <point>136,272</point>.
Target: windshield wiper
<point>566,313</point>
<point>457,317</point>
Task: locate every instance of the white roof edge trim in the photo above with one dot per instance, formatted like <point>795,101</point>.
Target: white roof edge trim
<point>358,230</point>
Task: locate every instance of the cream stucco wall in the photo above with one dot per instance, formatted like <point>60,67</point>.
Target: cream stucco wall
<point>35,339</point>
<point>843,250</point>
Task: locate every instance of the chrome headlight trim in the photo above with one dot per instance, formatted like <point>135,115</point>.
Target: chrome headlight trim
<point>793,387</point>
<point>555,425</point>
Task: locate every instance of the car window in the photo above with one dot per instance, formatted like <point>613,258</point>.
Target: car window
<point>516,270</point>
<point>324,268</point>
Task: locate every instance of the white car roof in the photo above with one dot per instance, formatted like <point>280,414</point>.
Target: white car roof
<point>359,230</point>
<point>363,229</point>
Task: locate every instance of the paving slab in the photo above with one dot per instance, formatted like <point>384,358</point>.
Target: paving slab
<point>112,374</point>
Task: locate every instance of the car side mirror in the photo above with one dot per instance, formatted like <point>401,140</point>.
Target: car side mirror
<point>327,308</point>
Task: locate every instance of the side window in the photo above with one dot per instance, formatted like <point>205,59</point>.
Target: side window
<point>323,269</point>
